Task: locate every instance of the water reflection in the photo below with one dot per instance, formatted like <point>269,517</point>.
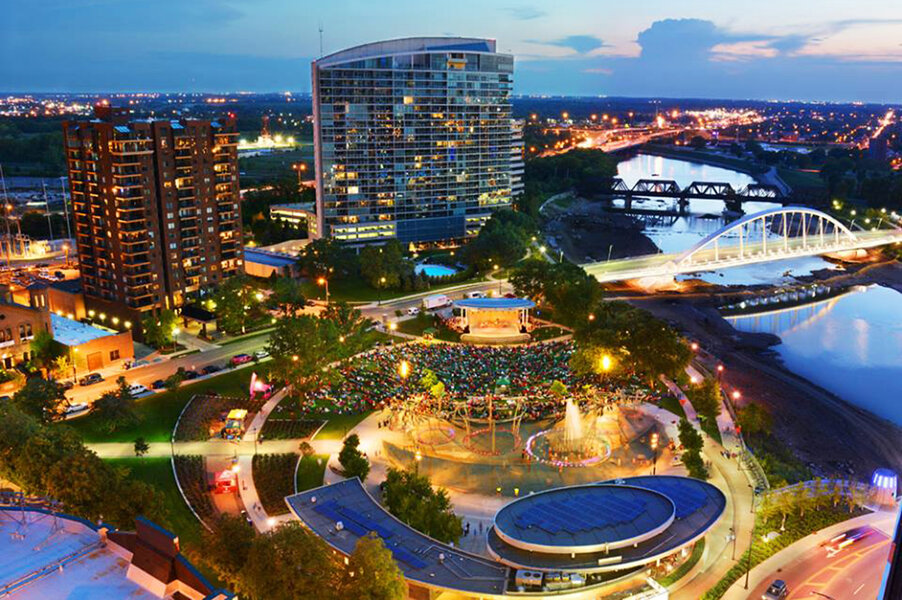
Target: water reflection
<point>850,345</point>
<point>673,233</point>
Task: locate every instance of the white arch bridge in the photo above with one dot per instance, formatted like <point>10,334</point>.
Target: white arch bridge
<point>769,235</point>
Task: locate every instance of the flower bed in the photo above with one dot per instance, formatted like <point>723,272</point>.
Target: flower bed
<point>289,429</point>
<point>192,478</point>
<point>274,479</point>
<point>205,415</point>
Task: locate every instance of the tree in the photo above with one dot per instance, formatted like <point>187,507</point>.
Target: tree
<point>705,398</point>
<point>383,266</point>
<point>372,573</point>
<point>350,325</point>
<point>237,304</point>
<point>174,381</point>
<point>784,505</point>
<point>62,367</point>
<point>558,388</point>
<point>698,142</point>
<point>41,398</point>
<point>117,408</point>
<point>141,447</point>
<point>328,258</point>
<point>227,546</point>
<point>157,329</point>
<point>301,346</point>
<point>410,497</point>
<point>287,295</point>
<point>290,563</point>
<point>754,419</point>
<point>503,240</point>
<point>45,350</point>
<point>692,443</point>
<point>352,461</point>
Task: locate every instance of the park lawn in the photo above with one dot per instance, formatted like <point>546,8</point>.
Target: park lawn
<point>673,405</point>
<point>338,426</point>
<point>311,470</point>
<point>709,426</point>
<point>795,178</point>
<point>548,333</point>
<point>158,413</point>
<point>157,471</point>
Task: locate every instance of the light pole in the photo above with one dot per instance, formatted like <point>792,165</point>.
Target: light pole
<point>324,282</point>
<point>381,285</point>
<point>748,556</point>
<point>654,449</point>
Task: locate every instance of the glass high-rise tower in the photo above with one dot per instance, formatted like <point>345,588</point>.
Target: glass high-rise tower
<point>412,139</point>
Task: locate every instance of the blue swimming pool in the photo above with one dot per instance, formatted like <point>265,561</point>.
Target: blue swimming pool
<point>434,270</point>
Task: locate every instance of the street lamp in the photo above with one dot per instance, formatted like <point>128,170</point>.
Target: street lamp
<point>748,560</point>
<point>654,449</point>
<point>404,369</point>
<point>381,285</point>
<point>324,282</point>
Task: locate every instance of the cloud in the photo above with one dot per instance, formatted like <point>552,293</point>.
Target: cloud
<point>524,13</point>
<point>582,44</point>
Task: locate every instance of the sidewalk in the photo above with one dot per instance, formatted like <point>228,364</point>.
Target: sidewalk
<point>882,520</point>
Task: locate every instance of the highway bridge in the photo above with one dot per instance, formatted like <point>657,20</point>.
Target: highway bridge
<point>769,235</point>
<point>704,190</point>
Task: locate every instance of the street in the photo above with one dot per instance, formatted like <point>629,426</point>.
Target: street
<point>854,573</point>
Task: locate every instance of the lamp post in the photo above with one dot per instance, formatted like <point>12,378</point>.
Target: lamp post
<point>381,285</point>
<point>325,283</point>
<point>748,556</point>
<point>654,449</point>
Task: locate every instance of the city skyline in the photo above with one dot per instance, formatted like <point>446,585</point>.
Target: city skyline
<point>699,49</point>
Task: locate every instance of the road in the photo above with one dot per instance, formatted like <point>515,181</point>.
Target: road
<point>854,573</point>
<point>220,355</point>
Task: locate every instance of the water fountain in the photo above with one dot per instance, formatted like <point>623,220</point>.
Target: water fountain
<point>572,442</point>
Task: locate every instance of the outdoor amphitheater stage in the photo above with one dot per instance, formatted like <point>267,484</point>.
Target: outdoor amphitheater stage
<point>494,320</point>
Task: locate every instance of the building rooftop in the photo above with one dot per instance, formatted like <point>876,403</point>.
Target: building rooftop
<point>697,506</point>
<point>267,258</point>
<point>495,303</point>
<point>53,557</point>
<point>421,558</point>
<point>74,333</point>
<point>305,206</point>
<point>584,518</point>
<point>407,46</point>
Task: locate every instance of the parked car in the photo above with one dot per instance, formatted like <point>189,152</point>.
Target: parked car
<point>136,389</point>
<point>159,384</point>
<point>59,275</point>
<point>67,385</point>
<point>190,374</point>
<point>240,359</point>
<point>75,408</point>
<point>90,379</point>
<point>261,354</point>
<point>211,369</point>
<point>776,591</point>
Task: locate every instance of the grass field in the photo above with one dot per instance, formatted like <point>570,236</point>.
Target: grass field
<point>338,426</point>
<point>800,179</point>
<point>275,165</point>
<point>424,321</point>
<point>157,471</point>
<point>310,471</point>
<point>158,413</point>
<point>274,480</point>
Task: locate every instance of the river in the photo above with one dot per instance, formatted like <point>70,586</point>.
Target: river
<point>850,345</point>
<point>675,234</point>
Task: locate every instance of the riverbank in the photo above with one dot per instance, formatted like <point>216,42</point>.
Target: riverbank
<point>827,433</point>
<point>587,233</point>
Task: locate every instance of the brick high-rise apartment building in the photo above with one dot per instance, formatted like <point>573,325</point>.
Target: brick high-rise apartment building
<point>156,207</point>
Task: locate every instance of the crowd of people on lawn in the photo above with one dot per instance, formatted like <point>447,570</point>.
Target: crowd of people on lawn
<point>468,373</point>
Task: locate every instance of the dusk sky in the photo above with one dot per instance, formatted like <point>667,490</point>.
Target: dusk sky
<point>768,49</point>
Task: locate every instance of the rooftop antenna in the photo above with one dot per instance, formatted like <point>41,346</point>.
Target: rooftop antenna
<point>320,39</point>
<point>6,209</point>
<point>47,208</point>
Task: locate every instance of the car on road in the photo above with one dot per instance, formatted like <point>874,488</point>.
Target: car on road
<point>136,389</point>
<point>476,294</point>
<point>259,354</point>
<point>159,384</point>
<point>413,310</point>
<point>776,591</point>
<point>190,374</point>
<point>209,369</point>
<point>90,379</point>
<point>847,538</point>
<point>240,359</point>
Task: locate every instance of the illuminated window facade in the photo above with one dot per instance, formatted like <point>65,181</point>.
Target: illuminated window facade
<point>156,208</point>
<point>413,139</point>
